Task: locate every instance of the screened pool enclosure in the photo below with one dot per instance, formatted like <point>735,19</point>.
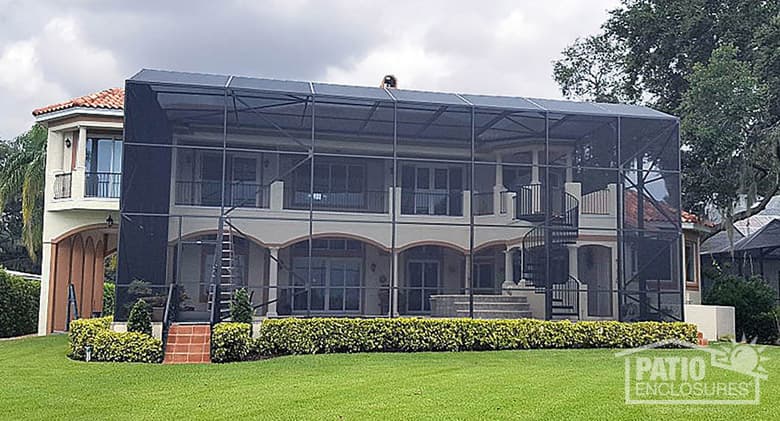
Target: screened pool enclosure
<point>334,200</point>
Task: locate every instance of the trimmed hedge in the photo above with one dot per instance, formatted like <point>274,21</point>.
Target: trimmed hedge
<point>342,335</point>
<point>19,301</point>
<point>231,341</point>
<point>126,347</point>
<point>108,345</point>
<point>83,332</point>
<point>109,298</point>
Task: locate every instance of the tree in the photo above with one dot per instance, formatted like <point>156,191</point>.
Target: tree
<point>728,147</point>
<point>240,307</point>
<point>593,69</point>
<point>753,301</point>
<point>22,174</point>
<point>661,44</point>
<point>140,318</point>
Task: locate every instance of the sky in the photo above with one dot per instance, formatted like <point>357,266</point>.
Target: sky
<point>51,51</point>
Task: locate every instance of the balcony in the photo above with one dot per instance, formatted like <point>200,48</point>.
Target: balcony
<point>370,201</point>
<point>423,202</point>
<point>239,194</point>
<point>483,203</point>
<point>62,186</point>
<point>102,184</point>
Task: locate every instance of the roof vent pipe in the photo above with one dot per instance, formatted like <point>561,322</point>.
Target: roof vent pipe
<point>389,81</point>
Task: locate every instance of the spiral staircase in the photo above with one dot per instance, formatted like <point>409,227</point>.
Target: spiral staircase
<point>544,257</point>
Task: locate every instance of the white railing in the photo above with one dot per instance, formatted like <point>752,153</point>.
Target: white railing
<point>596,203</point>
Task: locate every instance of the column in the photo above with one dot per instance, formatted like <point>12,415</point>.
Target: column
<point>394,286</point>
<point>509,268</point>
<point>273,281</point>
<point>47,286</point>
<point>573,269</point>
<point>467,273</point>
<point>276,193</point>
<point>499,186</point>
<point>535,168</point>
<point>78,177</point>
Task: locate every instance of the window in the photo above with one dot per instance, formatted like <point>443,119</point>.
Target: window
<point>431,190</point>
<point>104,155</point>
<point>335,284</point>
<point>691,264</point>
<point>103,165</point>
<point>336,186</point>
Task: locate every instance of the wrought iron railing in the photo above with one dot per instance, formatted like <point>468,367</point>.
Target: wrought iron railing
<point>209,193</point>
<point>102,184</point>
<point>171,309</point>
<point>370,201</point>
<point>483,203</point>
<point>62,183</point>
<point>566,298</point>
<point>530,202</point>
<point>432,203</point>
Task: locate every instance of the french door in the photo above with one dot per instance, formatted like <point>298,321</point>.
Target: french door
<point>240,179</point>
<point>484,277</point>
<point>432,190</point>
<point>423,281</point>
<point>335,284</point>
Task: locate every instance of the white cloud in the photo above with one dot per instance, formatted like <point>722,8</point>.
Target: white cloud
<point>498,47</point>
<point>51,66</point>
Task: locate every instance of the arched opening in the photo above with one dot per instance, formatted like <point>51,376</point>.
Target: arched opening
<point>428,270</point>
<point>342,276</point>
<point>192,273</point>
<point>77,265</point>
<point>594,267</point>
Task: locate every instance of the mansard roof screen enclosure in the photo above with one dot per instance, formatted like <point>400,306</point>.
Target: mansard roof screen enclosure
<point>324,199</point>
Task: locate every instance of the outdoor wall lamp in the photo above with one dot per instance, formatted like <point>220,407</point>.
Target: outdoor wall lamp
<point>109,221</point>
<point>67,142</point>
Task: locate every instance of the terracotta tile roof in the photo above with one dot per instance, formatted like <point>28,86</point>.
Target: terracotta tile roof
<point>652,213</point>
<point>110,99</point>
<point>689,217</point>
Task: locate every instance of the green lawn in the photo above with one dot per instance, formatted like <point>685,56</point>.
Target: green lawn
<point>37,381</point>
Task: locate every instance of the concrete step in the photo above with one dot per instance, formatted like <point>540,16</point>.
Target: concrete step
<point>495,314</point>
<point>487,298</point>
<point>505,306</point>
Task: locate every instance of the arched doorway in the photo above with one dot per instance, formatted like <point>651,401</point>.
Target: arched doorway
<point>594,266</point>
<point>427,270</point>
<point>343,276</point>
<point>192,272</point>
<point>78,264</point>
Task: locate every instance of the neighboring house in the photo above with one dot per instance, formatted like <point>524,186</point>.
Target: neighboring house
<point>753,249</point>
<point>325,199</point>
<point>695,230</point>
<point>83,157</point>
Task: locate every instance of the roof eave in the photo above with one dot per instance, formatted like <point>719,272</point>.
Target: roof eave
<point>71,111</point>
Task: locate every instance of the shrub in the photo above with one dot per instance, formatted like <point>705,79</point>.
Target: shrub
<point>754,305</point>
<point>140,319</point>
<point>231,341</point>
<point>241,310</point>
<point>126,347</point>
<point>108,345</point>
<point>109,298</point>
<point>331,335</point>
<point>83,332</point>
<point>19,300</point>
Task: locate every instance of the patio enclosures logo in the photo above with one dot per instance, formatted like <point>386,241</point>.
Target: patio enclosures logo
<point>721,374</point>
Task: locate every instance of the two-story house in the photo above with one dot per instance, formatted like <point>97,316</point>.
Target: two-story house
<point>325,199</point>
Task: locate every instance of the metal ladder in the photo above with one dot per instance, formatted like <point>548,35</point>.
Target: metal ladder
<point>221,288</point>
